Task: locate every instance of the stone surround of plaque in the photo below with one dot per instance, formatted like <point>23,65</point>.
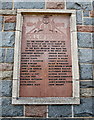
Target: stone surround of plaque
<point>46,60</point>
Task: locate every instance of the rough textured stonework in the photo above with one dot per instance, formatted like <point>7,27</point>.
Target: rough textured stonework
<point>54,4</point>
<point>6,5</point>
<point>86,13</point>
<point>6,67</point>
<point>9,19</point>
<point>46,119</point>
<point>6,75</point>
<point>1,18</point>
<point>2,55</point>
<point>32,4</point>
<point>60,111</point>
<point>84,40</point>
<point>79,5</point>
<point>0,26</point>
<point>85,56</point>
<point>9,26</point>
<point>9,110</point>
<point>85,109</point>
<point>8,39</point>
<point>85,28</point>
<point>86,72</point>
<point>6,89</point>
<point>85,37</point>
<point>87,84</point>
<point>79,17</point>
<point>91,13</point>
<point>35,111</point>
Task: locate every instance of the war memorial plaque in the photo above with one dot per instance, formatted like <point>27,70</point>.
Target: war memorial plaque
<point>46,60</point>
<point>46,67</point>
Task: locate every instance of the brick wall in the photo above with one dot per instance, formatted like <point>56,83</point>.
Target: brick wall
<point>85,28</point>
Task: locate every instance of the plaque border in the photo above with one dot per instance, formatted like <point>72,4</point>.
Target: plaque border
<point>74,53</point>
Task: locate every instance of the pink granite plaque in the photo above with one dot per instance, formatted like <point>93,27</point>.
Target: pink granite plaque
<point>46,65</point>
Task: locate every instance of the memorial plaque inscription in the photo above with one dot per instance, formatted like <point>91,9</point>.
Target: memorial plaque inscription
<point>46,65</point>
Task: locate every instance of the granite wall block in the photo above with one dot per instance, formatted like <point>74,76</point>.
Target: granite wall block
<point>86,72</point>
<point>2,54</point>
<point>6,4</point>
<point>29,4</point>
<point>86,56</point>
<point>6,89</point>
<point>9,110</point>
<point>9,26</point>
<point>85,109</point>
<point>60,111</point>
<point>9,55</point>
<point>84,39</point>
<point>8,39</point>
<point>79,5</point>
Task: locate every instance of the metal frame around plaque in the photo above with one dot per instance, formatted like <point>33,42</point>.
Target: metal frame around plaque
<point>75,69</point>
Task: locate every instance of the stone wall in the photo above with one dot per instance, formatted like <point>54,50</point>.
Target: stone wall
<point>85,28</point>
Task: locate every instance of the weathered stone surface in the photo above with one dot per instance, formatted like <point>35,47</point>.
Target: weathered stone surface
<point>88,21</point>
<point>86,72</point>
<point>1,18</point>
<point>0,26</point>
<point>46,118</point>
<point>85,13</point>
<point>35,111</point>
<point>7,5</point>
<point>10,19</point>
<point>6,67</point>
<point>93,42</point>
<point>87,92</point>
<point>87,84</point>
<point>85,109</point>
<point>2,54</point>
<point>1,38</point>
<point>9,55</point>
<point>93,53</point>
<point>0,90</point>
<point>85,28</point>
<point>60,111</point>
<point>0,105</point>
<point>79,5</point>
<point>55,4</point>
<point>9,26</point>
<point>6,75</point>
<point>8,39</point>
<point>0,5</point>
<point>29,5</point>
<point>8,12</point>
<point>79,17</point>
<point>9,110</point>
<point>84,40</point>
<point>86,56</point>
<point>91,13</point>
<point>6,88</point>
